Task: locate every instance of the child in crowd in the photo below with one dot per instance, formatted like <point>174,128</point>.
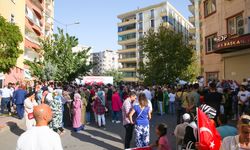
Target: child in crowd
<point>162,142</point>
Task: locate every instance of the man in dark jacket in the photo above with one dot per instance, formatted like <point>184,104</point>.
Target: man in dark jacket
<point>19,97</point>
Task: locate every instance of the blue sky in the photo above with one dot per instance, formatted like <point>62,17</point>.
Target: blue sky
<point>98,18</point>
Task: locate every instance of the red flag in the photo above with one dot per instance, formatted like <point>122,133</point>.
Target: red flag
<point>209,138</point>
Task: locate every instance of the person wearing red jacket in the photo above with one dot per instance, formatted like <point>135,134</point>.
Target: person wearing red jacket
<point>116,107</point>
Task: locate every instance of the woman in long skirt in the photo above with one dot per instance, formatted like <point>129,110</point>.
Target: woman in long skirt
<point>67,114</point>
<point>56,106</point>
<point>29,104</point>
<point>77,113</point>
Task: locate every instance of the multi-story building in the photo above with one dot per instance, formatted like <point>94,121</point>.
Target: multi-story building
<point>35,20</point>
<point>225,32</point>
<point>80,48</point>
<point>39,16</point>
<point>135,23</point>
<point>104,61</point>
<point>194,8</point>
<point>13,11</point>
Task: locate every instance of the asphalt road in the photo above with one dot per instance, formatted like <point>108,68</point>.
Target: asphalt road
<point>93,138</point>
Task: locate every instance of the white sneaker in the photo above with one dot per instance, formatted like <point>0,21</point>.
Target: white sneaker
<point>113,121</point>
<point>118,122</point>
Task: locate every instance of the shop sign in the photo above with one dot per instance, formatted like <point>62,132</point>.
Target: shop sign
<point>234,42</point>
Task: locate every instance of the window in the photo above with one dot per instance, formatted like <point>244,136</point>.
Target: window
<point>152,14</point>
<point>140,35</point>
<point>140,26</point>
<point>12,18</point>
<point>152,23</point>
<point>235,25</point>
<point>140,16</point>
<point>210,76</point>
<point>127,27</point>
<point>127,36</point>
<point>165,18</point>
<point>210,43</point>
<point>209,7</point>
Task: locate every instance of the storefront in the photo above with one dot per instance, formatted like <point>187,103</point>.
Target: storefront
<point>235,52</point>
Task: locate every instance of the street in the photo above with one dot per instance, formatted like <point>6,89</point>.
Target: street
<point>93,138</point>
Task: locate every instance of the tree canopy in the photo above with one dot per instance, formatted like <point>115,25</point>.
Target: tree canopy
<point>10,38</point>
<point>59,62</point>
<point>166,56</point>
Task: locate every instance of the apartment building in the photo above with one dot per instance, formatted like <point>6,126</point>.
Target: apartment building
<point>225,39</point>
<point>194,8</point>
<point>39,16</point>
<point>134,24</point>
<point>13,11</point>
<point>80,48</point>
<point>35,20</point>
<point>104,61</point>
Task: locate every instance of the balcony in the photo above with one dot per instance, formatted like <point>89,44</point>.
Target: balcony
<point>131,21</point>
<point>32,17</point>
<point>130,79</point>
<point>163,13</point>
<point>38,3</point>
<point>127,32</point>
<point>129,41</point>
<point>191,8</point>
<point>192,42</point>
<point>133,69</point>
<point>124,60</point>
<point>30,54</point>
<point>192,20</point>
<point>192,30</point>
<point>126,50</point>
<point>32,37</point>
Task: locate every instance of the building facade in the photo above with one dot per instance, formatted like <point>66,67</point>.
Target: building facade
<point>80,48</point>
<point>14,11</point>
<point>134,24</point>
<point>35,20</point>
<point>104,61</point>
<point>225,31</point>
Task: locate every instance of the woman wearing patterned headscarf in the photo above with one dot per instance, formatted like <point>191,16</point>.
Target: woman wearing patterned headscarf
<point>100,108</point>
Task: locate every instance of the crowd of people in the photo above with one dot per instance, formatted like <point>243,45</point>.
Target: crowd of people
<point>75,106</point>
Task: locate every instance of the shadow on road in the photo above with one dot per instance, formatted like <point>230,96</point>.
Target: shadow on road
<point>90,139</point>
<point>102,135</point>
<point>14,128</point>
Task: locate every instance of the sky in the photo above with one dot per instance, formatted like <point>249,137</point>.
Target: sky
<point>98,19</point>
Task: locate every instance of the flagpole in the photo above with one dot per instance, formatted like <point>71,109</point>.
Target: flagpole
<point>198,129</point>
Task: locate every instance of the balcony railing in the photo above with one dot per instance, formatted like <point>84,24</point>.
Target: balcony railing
<point>38,3</point>
<point>30,54</point>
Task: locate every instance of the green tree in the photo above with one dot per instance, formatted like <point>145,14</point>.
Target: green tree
<point>166,56</point>
<point>10,38</point>
<point>59,62</point>
<point>115,74</point>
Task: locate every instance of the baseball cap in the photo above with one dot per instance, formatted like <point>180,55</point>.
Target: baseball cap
<point>186,116</point>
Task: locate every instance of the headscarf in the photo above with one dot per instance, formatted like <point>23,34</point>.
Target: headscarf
<point>77,96</point>
<point>101,97</point>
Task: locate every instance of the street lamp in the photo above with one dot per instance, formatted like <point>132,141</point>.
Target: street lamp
<point>66,25</point>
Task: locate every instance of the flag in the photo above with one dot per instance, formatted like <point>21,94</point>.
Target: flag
<point>209,138</point>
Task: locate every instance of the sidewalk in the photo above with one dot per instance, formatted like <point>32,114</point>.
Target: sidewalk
<point>8,122</point>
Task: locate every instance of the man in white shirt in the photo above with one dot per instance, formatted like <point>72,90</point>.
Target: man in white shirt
<point>40,137</point>
<point>147,93</point>
<point>6,95</point>
<point>243,100</point>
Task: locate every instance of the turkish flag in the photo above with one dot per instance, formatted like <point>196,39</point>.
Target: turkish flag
<point>209,138</point>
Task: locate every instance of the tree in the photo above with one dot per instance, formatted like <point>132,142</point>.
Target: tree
<point>166,56</point>
<point>10,38</point>
<point>59,62</point>
<point>115,74</point>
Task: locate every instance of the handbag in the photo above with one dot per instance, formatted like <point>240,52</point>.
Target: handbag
<point>30,115</point>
